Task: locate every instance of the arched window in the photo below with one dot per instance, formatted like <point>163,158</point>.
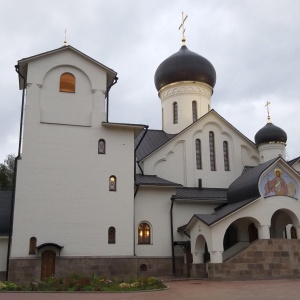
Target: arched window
<point>212,151</point>
<point>144,234</point>
<point>112,183</point>
<point>32,245</point>
<point>198,154</point>
<point>101,146</point>
<point>67,83</point>
<point>194,109</point>
<point>175,113</point>
<point>111,235</point>
<point>225,154</point>
<point>293,233</point>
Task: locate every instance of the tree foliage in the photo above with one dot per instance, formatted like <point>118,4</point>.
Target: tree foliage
<point>7,173</point>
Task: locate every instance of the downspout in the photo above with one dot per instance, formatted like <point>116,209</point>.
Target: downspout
<point>15,173</point>
<point>115,80</point>
<point>136,147</point>
<point>137,187</point>
<point>172,235</point>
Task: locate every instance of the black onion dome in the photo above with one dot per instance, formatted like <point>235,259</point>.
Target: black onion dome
<point>270,133</point>
<point>184,65</point>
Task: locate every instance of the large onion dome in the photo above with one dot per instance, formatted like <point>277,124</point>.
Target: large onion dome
<point>270,133</point>
<point>184,65</point>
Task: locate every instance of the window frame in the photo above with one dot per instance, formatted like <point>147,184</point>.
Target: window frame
<point>226,156</point>
<point>71,83</point>
<point>111,235</point>
<point>144,239</point>
<point>104,146</point>
<point>175,113</point>
<point>198,154</point>
<point>194,111</point>
<point>212,153</point>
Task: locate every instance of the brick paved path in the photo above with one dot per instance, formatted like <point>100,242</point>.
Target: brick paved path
<point>186,290</point>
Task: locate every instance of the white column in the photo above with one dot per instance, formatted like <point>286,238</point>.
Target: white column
<point>298,231</point>
<point>216,257</point>
<point>198,257</point>
<point>264,232</point>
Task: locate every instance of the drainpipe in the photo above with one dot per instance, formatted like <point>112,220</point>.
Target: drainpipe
<point>137,146</point>
<point>172,236</point>
<point>15,173</point>
<point>115,80</point>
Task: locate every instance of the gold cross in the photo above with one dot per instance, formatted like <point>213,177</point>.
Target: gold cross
<point>65,41</point>
<point>182,28</point>
<point>267,105</point>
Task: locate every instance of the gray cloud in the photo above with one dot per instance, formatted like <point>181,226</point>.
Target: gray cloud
<point>253,45</point>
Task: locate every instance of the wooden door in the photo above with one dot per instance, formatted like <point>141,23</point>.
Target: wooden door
<point>48,264</point>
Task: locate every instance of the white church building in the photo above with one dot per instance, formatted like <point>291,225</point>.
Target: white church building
<point>196,198</point>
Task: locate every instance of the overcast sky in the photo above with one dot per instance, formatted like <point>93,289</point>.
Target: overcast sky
<point>254,46</point>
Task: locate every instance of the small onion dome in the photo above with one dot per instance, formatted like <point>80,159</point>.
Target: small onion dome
<point>184,65</point>
<point>270,133</point>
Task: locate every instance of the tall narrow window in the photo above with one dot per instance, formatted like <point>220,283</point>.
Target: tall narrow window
<point>67,83</point>
<point>226,158</point>
<point>101,146</point>
<point>198,154</point>
<point>144,233</point>
<point>175,113</point>
<point>111,235</point>
<point>212,151</point>
<point>112,183</point>
<point>194,109</point>
<point>32,245</point>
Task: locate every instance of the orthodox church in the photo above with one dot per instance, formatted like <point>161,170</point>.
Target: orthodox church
<point>196,198</point>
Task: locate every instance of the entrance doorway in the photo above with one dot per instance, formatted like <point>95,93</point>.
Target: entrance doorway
<point>48,264</point>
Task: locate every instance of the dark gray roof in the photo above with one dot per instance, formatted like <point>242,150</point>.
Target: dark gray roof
<point>5,207</point>
<point>225,211</point>
<point>152,141</point>
<point>247,168</point>
<point>293,161</point>
<point>246,186</point>
<point>154,180</point>
<point>203,194</point>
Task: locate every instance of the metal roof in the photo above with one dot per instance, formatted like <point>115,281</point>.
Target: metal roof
<point>5,211</point>
<point>150,180</point>
<point>203,194</point>
<point>246,186</point>
<point>152,141</point>
<point>222,213</point>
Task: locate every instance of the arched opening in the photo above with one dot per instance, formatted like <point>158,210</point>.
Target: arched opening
<point>67,83</point>
<point>253,232</point>
<point>282,222</point>
<point>32,245</point>
<point>201,254</point>
<point>230,237</point>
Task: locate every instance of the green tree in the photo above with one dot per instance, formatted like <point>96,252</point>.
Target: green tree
<point>7,173</point>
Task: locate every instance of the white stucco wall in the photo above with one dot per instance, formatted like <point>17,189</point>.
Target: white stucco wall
<point>62,193</point>
<point>176,161</point>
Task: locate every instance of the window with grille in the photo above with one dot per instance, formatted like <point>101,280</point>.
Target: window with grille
<point>198,154</point>
<point>226,157</point>
<point>175,113</point>
<point>101,146</point>
<point>144,234</point>
<point>212,151</point>
<point>112,183</point>
<point>194,109</point>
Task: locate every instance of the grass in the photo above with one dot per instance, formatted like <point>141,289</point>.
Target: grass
<point>78,282</point>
